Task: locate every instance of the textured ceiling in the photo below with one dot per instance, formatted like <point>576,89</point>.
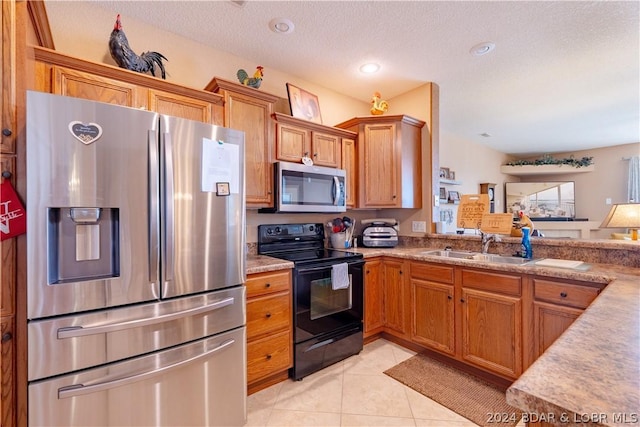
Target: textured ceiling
<point>564,75</point>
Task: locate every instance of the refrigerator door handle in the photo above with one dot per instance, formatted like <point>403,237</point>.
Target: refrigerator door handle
<point>79,331</point>
<point>168,210</point>
<point>80,389</point>
<point>154,206</point>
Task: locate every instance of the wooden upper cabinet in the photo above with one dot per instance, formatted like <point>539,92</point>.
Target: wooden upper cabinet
<point>389,156</point>
<point>78,84</point>
<point>297,138</point>
<point>249,110</point>
<point>65,75</point>
<point>293,143</point>
<point>7,77</point>
<point>179,106</point>
<point>350,165</point>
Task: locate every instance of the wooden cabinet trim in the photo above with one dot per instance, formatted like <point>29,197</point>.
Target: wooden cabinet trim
<point>493,282</point>
<point>268,282</point>
<point>312,126</point>
<point>435,272</point>
<point>56,58</point>
<point>217,85</point>
<point>564,293</point>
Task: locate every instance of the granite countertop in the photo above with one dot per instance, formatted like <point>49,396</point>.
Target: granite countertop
<point>591,374</point>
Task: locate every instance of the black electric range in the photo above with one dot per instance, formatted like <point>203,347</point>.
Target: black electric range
<point>302,244</point>
<point>327,306</point>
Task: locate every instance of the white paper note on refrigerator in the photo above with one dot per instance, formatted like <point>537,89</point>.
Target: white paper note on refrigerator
<point>220,163</point>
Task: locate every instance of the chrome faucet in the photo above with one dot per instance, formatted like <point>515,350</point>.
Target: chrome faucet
<point>487,239</point>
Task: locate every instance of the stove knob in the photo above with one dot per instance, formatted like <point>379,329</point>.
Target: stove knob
<point>278,230</point>
<point>311,228</point>
<point>269,231</point>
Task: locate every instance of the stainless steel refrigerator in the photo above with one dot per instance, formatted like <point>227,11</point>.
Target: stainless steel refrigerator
<point>136,267</point>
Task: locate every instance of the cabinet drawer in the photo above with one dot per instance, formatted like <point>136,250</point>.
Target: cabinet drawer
<point>564,293</point>
<point>268,314</point>
<point>268,355</point>
<point>435,273</point>
<point>267,283</point>
<point>493,282</point>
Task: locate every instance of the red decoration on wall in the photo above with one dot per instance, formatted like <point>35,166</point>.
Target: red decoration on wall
<point>13,218</point>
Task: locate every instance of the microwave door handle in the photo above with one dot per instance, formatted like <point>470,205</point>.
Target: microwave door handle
<point>169,253</point>
<point>336,190</point>
<point>154,206</point>
<point>81,389</point>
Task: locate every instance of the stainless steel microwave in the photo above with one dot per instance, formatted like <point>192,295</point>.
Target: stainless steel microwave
<point>302,188</point>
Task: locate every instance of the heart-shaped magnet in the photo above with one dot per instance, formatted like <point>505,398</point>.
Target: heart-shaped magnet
<point>85,132</point>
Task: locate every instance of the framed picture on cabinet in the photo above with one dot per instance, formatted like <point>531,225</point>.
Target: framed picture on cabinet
<point>454,197</point>
<point>303,104</point>
<point>443,194</point>
<point>444,173</point>
<point>452,175</point>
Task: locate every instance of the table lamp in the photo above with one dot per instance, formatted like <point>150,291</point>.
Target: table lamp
<point>624,215</point>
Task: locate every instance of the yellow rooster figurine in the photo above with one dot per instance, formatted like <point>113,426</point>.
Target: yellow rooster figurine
<point>378,106</point>
<point>243,77</point>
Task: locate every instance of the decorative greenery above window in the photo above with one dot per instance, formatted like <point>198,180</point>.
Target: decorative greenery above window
<point>548,160</point>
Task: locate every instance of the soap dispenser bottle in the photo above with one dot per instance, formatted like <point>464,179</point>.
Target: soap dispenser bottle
<point>526,250</point>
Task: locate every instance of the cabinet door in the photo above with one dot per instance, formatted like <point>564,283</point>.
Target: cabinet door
<point>433,318</point>
<point>492,331</point>
<point>79,84</point>
<point>8,77</point>
<point>373,298</point>
<point>253,116</point>
<point>7,375</point>
<point>179,106</point>
<point>326,149</point>
<point>349,164</point>
<point>395,298</point>
<point>550,321</point>
<point>380,166</point>
<point>292,143</point>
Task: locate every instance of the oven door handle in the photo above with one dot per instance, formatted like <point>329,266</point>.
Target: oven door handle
<point>325,267</point>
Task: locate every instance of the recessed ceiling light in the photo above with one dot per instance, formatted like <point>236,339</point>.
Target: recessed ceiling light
<point>482,49</point>
<point>281,25</point>
<point>369,68</point>
<point>485,135</point>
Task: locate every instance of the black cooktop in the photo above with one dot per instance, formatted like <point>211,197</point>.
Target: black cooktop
<point>299,243</point>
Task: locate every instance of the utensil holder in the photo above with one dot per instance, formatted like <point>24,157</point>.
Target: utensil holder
<point>339,240</point>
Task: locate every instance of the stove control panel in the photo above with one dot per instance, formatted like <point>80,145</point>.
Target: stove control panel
<point>290,232</point>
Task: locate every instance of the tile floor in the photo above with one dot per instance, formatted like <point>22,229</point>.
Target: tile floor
<point>354,392</point>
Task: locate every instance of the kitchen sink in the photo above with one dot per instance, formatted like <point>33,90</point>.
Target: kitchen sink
<point>452,254</point>
<point>501,259</point>
<point>476,256</point>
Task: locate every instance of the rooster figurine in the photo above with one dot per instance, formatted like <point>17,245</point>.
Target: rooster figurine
<point>378,106</point>
<point>127,58</point>
<point>254,81</point>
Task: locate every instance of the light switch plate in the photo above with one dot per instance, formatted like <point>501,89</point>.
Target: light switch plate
<point>419,226</point>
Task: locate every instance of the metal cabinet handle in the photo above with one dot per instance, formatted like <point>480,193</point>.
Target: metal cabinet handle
<point>79,331</point>
<point>6,337</point>
<point>267,285</point>
<point>269,357</point>
<point>461,299</point>
<point>268,315</point>
<point>81,389</point>
<point>449,297</point>
<point>7,132</point>
<point>563,294</point>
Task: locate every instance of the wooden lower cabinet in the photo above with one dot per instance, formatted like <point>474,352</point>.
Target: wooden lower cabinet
<point>433,306</point>
<point>373,298</point>
<point>396,298</point>
<point>269,328</point>
<point>557,304</point>
<point>492,331</point>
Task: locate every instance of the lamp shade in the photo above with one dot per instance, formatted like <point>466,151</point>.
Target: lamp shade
<point>623,215</point>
